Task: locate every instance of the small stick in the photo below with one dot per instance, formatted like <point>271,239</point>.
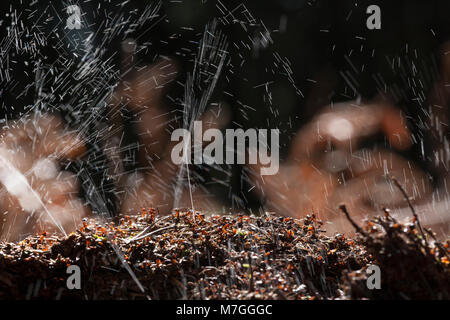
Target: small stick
<point>405,195</point>
<point>148,228</point>
<point>438,244</point>
<point>343,208</point>
<point>139,237</point>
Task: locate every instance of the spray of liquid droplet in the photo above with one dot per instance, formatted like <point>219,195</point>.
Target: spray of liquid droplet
<point>17,185</point>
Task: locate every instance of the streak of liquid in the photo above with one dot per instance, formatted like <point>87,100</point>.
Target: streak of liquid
<point>17,185</point>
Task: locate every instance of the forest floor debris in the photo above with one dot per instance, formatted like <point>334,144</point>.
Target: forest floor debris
<point>189,256</point>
